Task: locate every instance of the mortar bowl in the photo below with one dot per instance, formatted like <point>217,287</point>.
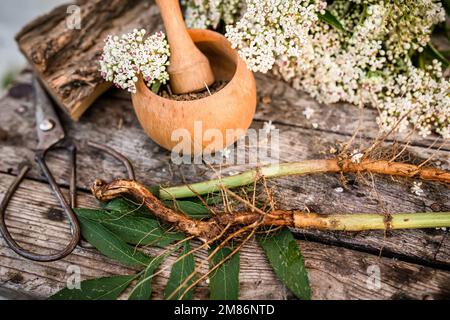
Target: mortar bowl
<point>209,124</point>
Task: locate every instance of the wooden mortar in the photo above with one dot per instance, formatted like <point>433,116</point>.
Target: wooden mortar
<point>233,107</point>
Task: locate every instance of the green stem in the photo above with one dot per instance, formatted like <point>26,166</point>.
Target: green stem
<point>302,168</point>
<point>338,222</point>
<point>362,222</point>
<point>243,179</point>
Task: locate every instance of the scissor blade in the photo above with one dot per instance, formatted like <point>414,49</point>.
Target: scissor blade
<point>49,128</point>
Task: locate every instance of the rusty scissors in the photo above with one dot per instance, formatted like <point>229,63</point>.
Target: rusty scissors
<point>51,135</point>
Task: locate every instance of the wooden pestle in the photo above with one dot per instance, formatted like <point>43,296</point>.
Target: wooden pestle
<point>189,69</point>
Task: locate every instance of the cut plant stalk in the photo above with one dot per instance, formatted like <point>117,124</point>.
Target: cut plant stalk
<point>209,229</point>
<point>303,168</point>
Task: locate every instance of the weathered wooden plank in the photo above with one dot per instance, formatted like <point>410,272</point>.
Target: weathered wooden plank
<point>112,121</point>
<point>288,106</point>
<point>335,273</point>
<point>66,58</point>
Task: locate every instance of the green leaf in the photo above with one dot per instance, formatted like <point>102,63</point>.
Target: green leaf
<point>224,281</point>
<point>125,207</point>
<point>181,270</point>
<point>214,200</point>
<point>111,245</point>
<point>192,209</point>
<point>143,290</point>
<point>154,190</point>
<point>287,262</point>
<point>134,230</point>
<point>108,288</point>
<point>330,19</point>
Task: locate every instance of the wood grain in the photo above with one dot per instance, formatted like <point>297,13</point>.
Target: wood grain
<point>287,106</point>
<point>112,121</point>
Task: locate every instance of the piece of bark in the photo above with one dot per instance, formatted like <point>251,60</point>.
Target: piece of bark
<point>66,60</point>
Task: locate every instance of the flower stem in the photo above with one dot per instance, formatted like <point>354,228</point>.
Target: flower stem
<point>301,168</point>
<point>362,222</point>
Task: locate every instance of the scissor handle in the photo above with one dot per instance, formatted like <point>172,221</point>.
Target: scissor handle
<point>40,159</point>
<point>68,209</point>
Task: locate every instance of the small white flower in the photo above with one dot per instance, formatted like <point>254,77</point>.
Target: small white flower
<point>417,189</point>
<point>226,153</point>
<point>269,127</point>
<point>339,190</point>
<point>308,112</point>
<point>356,156</point>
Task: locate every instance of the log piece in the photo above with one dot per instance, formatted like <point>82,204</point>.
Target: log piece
<point>66,60</point>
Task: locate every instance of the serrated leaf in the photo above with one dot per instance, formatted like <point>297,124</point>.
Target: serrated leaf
<point>192,209</point>
<point>135,230</point>
<point>224,281</point>
<point>111,245</point>
<point>330,19</point>
<point>287,262</point>
<point>181,270</point>
<point>108,288</point>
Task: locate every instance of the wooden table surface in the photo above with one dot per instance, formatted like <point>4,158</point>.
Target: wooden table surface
<point>413,263</point>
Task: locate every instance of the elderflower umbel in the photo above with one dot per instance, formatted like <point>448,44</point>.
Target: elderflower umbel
<point>368,64</point>
<point>202,14</point>
<point>131,56</point>
<point>275,32</point>
<point>371,65</point>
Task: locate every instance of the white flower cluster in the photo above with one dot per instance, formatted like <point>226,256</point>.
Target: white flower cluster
<point>372,65</point>
<point>419,97</point>
<point>202,14</point>
<point>367,64</point>
<point>131,56</point>
<point>275,32</point>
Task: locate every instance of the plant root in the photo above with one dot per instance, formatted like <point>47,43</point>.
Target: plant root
<point>307,167</point>
<point>215,227</point>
